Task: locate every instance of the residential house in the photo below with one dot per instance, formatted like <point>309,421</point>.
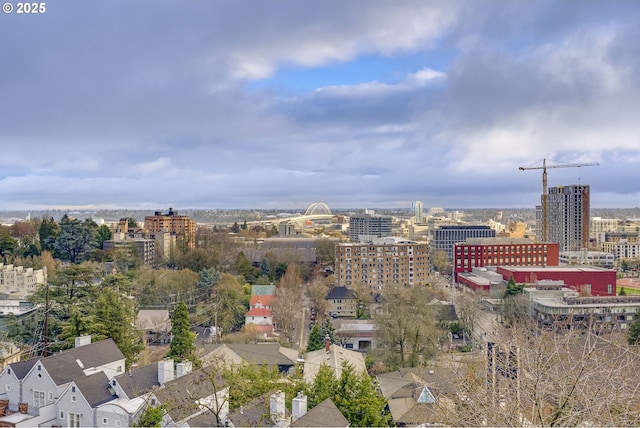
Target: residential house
<point>53,389</point>
<point>269,354</point>
<point>262,301</point>
<point>325,414</point>
<point>342,302</point>
<point>156,325</point>
<point>199,399</point>
<point>259,320</point>
<point>418,396</point>
<point>333,356</point>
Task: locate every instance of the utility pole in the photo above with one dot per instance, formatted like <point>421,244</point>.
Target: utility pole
<point>45,351</point>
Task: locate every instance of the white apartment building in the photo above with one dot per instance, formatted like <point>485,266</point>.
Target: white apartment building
<point>622,249</point>
<point>18,282</point>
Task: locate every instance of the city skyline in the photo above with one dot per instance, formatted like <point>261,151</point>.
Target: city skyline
<point>225,105</point>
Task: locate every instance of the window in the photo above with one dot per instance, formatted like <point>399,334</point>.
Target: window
<point>73,389</point>
<point>38,398</point>
<point>117,423</point>
<point>61,414</point>
<point>105,421</point>
<point>74,420</point>
<point>8,387</point>
<point>119,369</point>
<point>50,395</point>
<point>73,399</point>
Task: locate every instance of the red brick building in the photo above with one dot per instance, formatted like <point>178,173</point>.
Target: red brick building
<point>483,252</point>
<point>601,282</point>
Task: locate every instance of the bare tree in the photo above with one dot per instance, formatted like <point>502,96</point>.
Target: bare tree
<point>407,328</point>
<point>540,377</point>
<point>317,291</point>
<point>287,306</point>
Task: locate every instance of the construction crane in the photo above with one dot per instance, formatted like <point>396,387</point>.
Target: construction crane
<point>544,187</point>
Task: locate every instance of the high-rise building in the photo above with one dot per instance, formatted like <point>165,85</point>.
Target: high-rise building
<point>418,212</point>
<point>568,216</point>
<point>387,261</point>
<point>180,225</point>
<point>365,227</point>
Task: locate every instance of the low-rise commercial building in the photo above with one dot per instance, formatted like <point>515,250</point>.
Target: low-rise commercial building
<point>483,252</point>
<point>589,280</point>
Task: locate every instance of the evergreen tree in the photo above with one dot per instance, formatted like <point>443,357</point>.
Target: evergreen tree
<point>634,330</point>
<point>622,292</point>
<point>327,329</point>
<point>235,228</point>
<point>207,281</point>
<point>74,239</point>
<point>48,233</point>
<point>513,289</point>
<point>115,316</point>
<point>244,225</point>
<point>316,340</point>
<point>182,338</point>
<point>354,394</point>
<point>265,267</point>
<point>103,234</point>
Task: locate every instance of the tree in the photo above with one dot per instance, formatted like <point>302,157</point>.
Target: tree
<point>244,267</point>
<point>315,339</point>
<point>48,232</point>
<point>103,234</point>
<point>354,394</point>
<point>513,289</point>
<point>440,260</point>
<point>235,228</point>
<point>326,251</point>
<point>622,292</point>
<point>182,338</point>
<point>634,330</point>
<point>132,223</point>
<point>7,244</point>
<point>74,239</point>
<point>76,280</point>
<point>538,377</point>
<point>286,308</point>
<point>317,291</point>
<point>151,417</point>
<point>115,315</point>
<point>468,314</point>
<point>407,327</point>
<point>265,267</point>
<point>244,225</point>
<point>208,279</point>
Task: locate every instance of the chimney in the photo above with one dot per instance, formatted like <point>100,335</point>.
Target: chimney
<point>165,371</point>
<point>83,340</point>
<point>298,406</point>
<point>183,368</point>
<point>276,406</point>
<point>327,343</point>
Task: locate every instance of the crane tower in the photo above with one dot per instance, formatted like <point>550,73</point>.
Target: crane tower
<point>544,187</point>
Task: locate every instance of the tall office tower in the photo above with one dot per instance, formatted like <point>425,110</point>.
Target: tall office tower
<point>180,225</point>
<point>418,212</point>
<point>365,227</point>
<point>568,216</point>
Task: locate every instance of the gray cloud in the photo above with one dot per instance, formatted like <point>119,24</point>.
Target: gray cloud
<point>147,104</point>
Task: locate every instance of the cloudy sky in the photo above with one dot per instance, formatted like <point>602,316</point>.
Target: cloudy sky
<point>278,104</point>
